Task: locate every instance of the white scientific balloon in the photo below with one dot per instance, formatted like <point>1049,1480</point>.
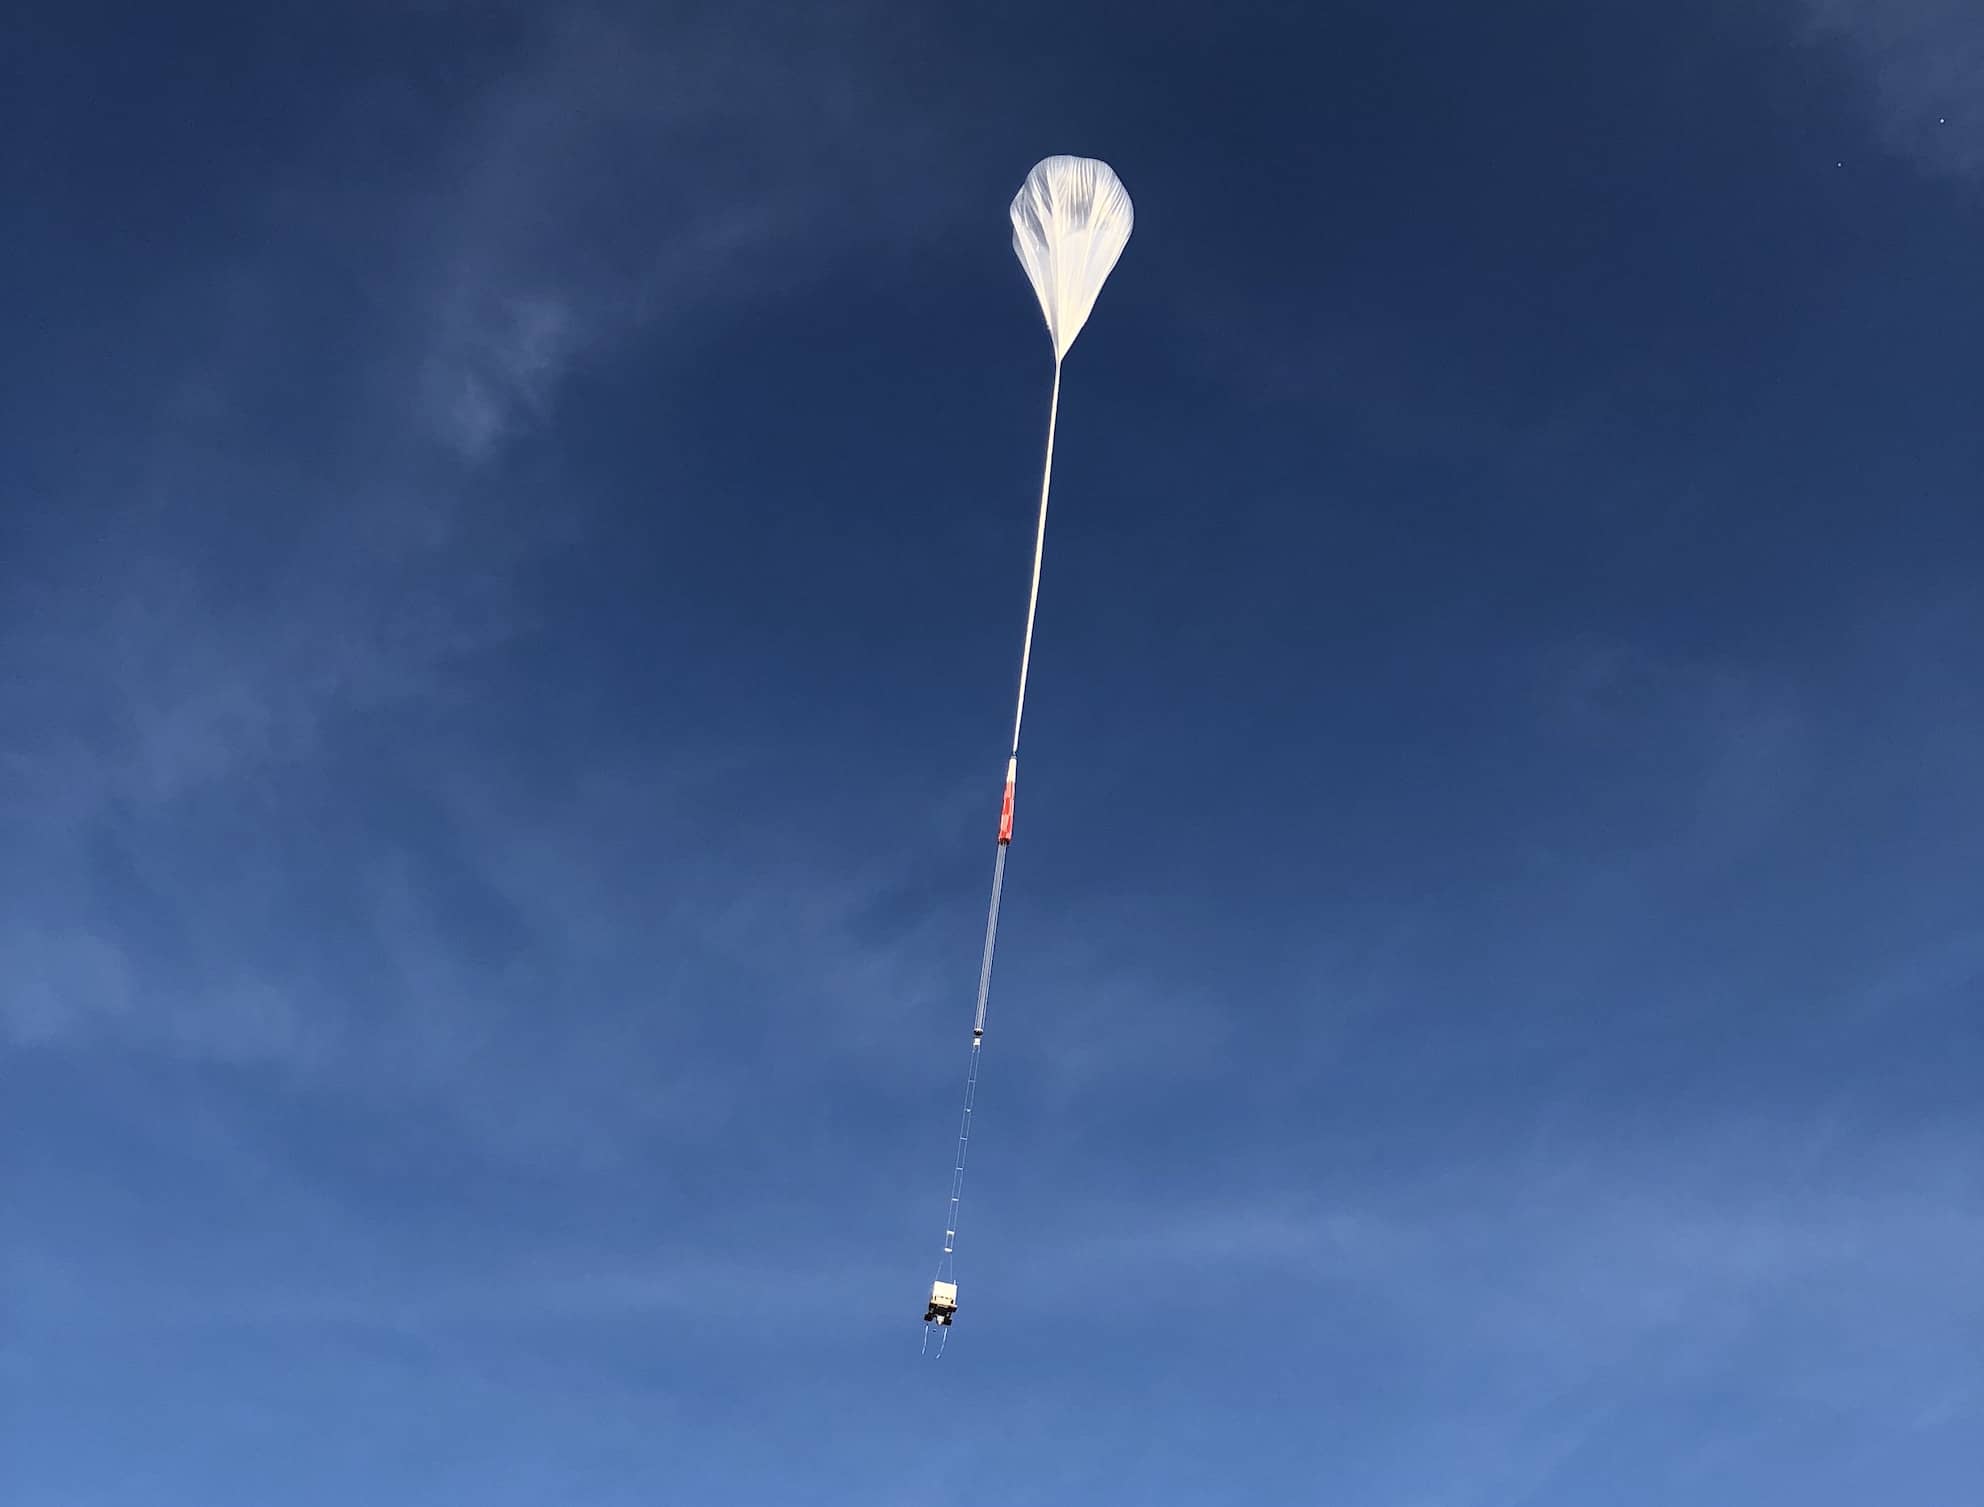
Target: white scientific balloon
<point>1071,220</point>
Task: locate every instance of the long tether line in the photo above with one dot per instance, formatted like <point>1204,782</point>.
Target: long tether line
<point>947,1262</point>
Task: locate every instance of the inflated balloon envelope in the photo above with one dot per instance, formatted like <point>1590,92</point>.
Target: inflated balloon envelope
<point>1071,220</point>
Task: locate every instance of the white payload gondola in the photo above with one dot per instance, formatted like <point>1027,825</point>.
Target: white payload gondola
<point>943,1303</point>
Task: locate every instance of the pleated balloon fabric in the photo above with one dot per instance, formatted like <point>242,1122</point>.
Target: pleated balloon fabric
<point>1071,220</point>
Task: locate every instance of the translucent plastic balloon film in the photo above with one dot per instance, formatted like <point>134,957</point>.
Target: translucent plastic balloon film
<point>1071,220</point>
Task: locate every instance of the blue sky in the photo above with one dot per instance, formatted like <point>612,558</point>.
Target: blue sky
<point>513,532</point>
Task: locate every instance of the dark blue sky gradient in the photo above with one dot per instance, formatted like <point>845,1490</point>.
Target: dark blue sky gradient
<point>513,542</point>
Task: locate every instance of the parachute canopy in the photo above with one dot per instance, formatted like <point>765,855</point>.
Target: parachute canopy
<point>1071,220</point>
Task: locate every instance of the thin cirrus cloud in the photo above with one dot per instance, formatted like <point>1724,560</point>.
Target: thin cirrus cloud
<point>629,180</point>
<point>1923,63</point>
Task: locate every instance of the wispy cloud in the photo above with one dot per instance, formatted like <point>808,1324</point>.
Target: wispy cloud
<point>1529,1303</point>
<point>1924,63</point>
<point>173,656</point>
<point>635,176</point>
